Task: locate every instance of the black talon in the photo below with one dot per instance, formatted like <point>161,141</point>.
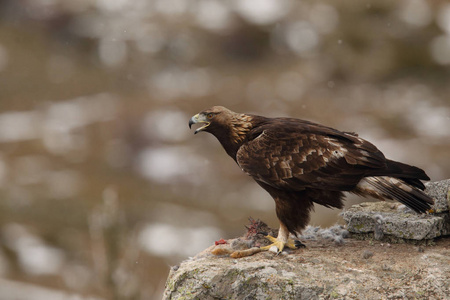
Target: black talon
<point>299,244</point>
<point>263,233</point>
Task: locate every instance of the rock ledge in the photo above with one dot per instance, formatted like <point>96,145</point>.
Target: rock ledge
<point>332,267</point>
<point>356,270</point>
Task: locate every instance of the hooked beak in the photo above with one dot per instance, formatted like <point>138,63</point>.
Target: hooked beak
<point>199,118</point>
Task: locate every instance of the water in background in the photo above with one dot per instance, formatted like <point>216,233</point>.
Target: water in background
<point>103,186</point>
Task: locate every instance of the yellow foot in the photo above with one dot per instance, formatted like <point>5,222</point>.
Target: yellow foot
<point>279,244</point>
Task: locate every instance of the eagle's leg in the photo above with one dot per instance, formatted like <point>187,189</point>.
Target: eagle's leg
<point>281,241</point>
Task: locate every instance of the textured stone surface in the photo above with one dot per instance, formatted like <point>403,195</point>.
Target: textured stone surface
<point>355,270</point>
<point>385,219</point>
<point>440,191</point>
<point>395,222</point>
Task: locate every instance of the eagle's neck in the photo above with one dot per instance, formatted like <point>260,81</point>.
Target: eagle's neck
<point>236,133</point>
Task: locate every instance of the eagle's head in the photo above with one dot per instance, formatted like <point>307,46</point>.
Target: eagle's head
<point>213,119</point>
<point>223,123</point>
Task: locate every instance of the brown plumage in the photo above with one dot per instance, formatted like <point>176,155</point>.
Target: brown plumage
<point>300,163</point>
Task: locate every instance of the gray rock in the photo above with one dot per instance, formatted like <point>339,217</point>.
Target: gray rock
<point>396,223</point>
<point>356,270</point>
<point>385,219</point>
<point>440,192</point>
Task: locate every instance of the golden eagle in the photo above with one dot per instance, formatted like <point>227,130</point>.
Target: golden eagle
<point>300,163</point>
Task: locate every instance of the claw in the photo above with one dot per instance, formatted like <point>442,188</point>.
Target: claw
<point>299,244</point>
<point>280,244</point>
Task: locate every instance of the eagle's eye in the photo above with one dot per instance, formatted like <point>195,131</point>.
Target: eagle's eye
<point>210,115</point>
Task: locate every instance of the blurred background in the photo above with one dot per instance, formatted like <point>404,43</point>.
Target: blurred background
<point>103,186</point>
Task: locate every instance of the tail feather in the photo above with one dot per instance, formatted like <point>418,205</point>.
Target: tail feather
<point>409,174</point>
<point>384,187</point>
